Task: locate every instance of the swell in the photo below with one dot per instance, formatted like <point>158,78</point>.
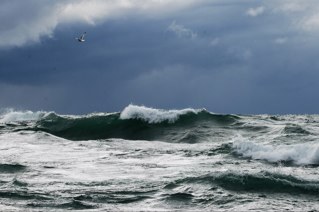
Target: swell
<point>267,182</point>
<point>187,127</point>
<point>11,168</point>
<point>142,123</point>
<point>263,182</point>
<point>295,129</point>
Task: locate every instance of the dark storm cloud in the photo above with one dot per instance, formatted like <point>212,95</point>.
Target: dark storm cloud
<point>234,57</point>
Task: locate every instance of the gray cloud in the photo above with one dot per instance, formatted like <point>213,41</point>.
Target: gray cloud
<point>197,54</point>
<point>23,22</point>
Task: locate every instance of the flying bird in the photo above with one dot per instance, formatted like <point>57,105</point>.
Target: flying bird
<point>81,38</point>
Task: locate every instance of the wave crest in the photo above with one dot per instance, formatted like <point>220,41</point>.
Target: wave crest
<point>133,123</point>
<point>299,154</point>
<point>10,115</point>
<point>153,116</point>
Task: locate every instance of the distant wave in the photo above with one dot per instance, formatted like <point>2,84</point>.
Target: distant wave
<point>133,123</point>
<point>186,125</point>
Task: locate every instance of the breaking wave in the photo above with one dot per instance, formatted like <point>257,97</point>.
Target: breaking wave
<point>300,154</point>
<point>153,116</point>
<point>11,116</point>
<point>133,123</point>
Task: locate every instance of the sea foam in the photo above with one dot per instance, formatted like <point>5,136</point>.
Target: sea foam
<point>152,115</point>
<point>9,116</point>
<point>300,154</point>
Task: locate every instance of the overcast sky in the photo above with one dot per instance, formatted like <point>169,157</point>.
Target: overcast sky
<point>234,56</point>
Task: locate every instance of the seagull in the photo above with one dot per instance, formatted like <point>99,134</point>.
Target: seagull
<point>81,38</point>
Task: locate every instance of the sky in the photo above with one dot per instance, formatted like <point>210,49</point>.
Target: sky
<point>234,56</point>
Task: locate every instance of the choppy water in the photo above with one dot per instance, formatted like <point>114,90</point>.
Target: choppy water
<point>161,160</point>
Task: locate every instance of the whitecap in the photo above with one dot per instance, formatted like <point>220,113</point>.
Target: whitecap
<point>300,154</point>
<point>10,115</point>
<point>152,115</point>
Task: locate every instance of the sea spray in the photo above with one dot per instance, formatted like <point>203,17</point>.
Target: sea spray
<point>152,115</point>
<point>300,154</point>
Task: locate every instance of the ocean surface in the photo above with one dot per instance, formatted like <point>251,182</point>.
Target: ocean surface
<point>146,159</point>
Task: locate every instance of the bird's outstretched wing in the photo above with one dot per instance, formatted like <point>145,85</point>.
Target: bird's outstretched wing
<point>82,36</point>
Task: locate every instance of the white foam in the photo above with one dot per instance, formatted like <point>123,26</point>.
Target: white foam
<point>152,115</point>
<point>9,116</point>
<point>301,154</point>
<point>85,116</point>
